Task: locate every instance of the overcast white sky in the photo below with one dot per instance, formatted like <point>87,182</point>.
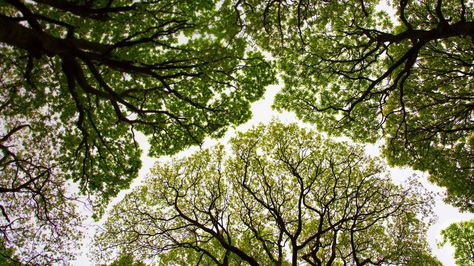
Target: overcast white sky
<point>262,112</point>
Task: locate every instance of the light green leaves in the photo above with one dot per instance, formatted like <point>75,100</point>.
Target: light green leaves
<point>351,71</point>
<point>80,78</point>
<point>460,235</point>
<point>105,70</point>
<point>279,195</point>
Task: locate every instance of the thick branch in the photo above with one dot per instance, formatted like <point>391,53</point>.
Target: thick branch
<point>443,31</point>
<point>84,10</point>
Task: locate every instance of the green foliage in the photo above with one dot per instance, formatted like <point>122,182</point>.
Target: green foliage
<point>280,195</point>
<point>461,237</point>
<point>126,260</point>
<point>80,78</point>
<point>179,75</point>
<point>349,70</point>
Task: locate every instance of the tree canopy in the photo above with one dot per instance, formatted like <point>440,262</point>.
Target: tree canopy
<point>94,74</point>
<point>349,68</point>
<point>461,237</point>
<point>281,196</point>
<point>79,78</point>
<point>126,260</point>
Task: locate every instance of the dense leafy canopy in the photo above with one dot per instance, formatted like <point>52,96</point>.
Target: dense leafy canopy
<point>79,78</point>
<point>461,237</point>
<point>282,196</point>
<point>96,75</point>
<point>126,260</point>
<point>350,70</point>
